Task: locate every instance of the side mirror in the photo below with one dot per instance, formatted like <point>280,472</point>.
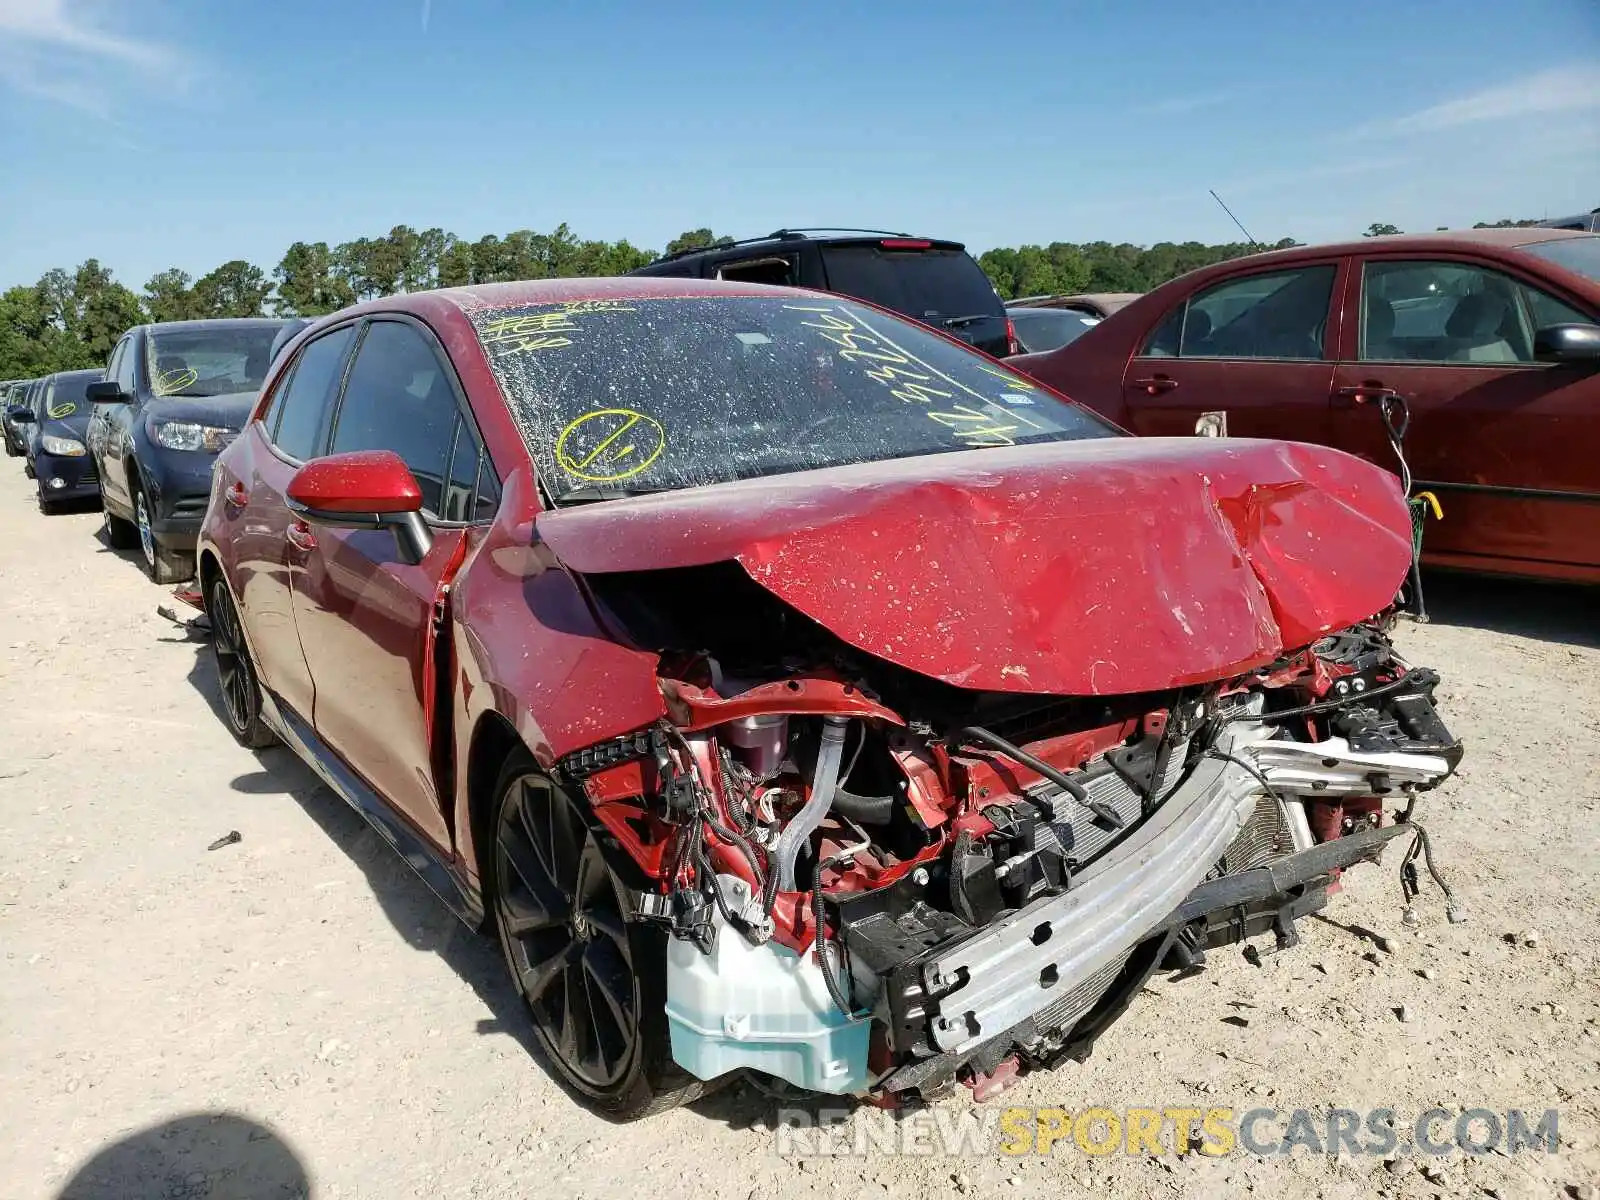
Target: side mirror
<point>106,391</point>
<point>364,489</point>
<point>20,415</point>
<point>1572,343</point>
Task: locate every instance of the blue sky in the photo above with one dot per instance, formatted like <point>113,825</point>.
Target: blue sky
<point>156,133</point>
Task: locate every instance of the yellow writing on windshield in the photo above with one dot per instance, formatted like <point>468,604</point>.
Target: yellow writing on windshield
<point>175,381</point>
<point>609,444</point>
<point>545,330</point>
<point>910,379</point>
<point>61,408</point>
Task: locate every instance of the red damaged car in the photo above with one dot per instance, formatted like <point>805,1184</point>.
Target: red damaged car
<point>794,689</point>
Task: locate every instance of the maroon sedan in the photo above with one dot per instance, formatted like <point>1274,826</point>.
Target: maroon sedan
<point>1491,338</point>
<point>794,689</point>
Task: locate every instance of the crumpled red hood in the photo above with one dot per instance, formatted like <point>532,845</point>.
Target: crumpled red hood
<point>1072,568</point>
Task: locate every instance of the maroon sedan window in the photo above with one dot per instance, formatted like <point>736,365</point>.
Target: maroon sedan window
<point>647,395</point>
<point>1275,314</point>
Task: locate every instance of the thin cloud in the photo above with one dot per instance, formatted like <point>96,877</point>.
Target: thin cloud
<point>1177,105</point>
<point>58,50</point>
<point>1572,88</point>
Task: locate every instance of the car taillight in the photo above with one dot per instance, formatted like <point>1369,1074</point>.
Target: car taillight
<point>906,244</point>
<point>1012,345</point>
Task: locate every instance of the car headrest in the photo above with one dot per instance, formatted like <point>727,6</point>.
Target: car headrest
<point>1380,320</point>
<point>1197,325</point>
<point>1476,316</point>
<point>169,363</point>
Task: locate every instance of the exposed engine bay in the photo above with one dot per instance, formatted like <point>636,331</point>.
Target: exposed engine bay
<point>878,883</point>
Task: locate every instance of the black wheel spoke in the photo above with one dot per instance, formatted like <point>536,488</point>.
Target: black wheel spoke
<point>610,925</point>
<point>524,914</point>
<point>539,976</point>
<point>610,993</point>
<point>541,892</point>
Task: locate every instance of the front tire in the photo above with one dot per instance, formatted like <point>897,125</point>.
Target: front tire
<point>594,982</point>
<point>236,673</point>
<point>161,564</point>
<point>119,532</point>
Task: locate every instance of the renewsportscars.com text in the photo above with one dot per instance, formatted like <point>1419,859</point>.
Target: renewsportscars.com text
<point>1164,1130</point>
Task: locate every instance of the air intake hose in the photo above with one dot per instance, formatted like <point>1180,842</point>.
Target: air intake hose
<point>824,779</point>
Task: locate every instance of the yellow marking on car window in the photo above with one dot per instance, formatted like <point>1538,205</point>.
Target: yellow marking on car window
<point>546,330</point>
<point>64,409</point>
<point>609,444</point>
<point>911,379</point>
<point>175,381</point>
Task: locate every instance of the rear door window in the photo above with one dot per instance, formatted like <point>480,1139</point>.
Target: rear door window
<point>297,421</point>
<point>1280,315</point>
<point>931,285</point>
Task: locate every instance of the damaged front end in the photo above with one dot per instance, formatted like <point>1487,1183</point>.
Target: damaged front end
<point>881,883</point>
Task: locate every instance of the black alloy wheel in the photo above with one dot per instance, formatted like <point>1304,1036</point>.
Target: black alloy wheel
<point>236,675</point>
<point>593,982</point>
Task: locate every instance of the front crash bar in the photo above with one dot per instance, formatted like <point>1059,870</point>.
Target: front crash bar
<point>1290,871</point>
<point>1020,965</point>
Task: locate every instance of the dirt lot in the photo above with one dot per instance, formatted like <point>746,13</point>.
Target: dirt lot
<point>295,1014</point>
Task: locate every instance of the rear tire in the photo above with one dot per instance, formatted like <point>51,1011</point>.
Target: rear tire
<point>236,673</point>
<point>161,564</point>
<point>593,981</point>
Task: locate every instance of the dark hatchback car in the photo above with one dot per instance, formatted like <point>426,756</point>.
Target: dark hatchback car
<point>929,280</point>
<point>54,429</point>
<point>175,394</point>
<point>19,397</point>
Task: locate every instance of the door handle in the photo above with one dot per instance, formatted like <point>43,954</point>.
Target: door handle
<point>236,496</point>
<point>299,536</point>
<point>1156,384</point>
<point>1361,393</point>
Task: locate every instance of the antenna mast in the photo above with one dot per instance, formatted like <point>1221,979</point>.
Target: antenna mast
<point>1233,218</point>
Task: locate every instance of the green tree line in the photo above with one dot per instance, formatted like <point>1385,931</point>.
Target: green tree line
<point>72,319</point>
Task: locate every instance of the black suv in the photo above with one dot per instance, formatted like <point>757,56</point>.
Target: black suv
<point>935,282</point>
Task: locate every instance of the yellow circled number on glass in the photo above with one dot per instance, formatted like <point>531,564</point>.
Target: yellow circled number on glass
<point>64,409</point>
<point>609,444</point>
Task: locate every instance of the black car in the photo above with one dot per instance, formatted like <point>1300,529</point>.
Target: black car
<point>17,399</point>
<point>932,281</point>
<point>175,394</point>
<point>54,429</point>
<point>1041,329</point>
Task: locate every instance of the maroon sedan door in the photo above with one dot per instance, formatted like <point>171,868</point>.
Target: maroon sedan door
<point>1506,442</point>
<point>366,616</point>
<point>1251,355</point>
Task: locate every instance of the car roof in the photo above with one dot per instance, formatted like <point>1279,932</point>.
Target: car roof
<point>796,237</point>
<point>217,323</point>
<point>566,291</point>
<point>1504,237</point>
<point>80,372</point>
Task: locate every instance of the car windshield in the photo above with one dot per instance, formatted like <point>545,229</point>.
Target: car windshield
<point>211,361</point>
<point>930,285</point>
<point>1041,329</point>
<point>1580,255</point>
<point>649,395</point>
<point>65,397</point>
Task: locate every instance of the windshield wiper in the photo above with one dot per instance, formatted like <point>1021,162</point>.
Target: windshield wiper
<point>952,322</point>
<point>592,492</point>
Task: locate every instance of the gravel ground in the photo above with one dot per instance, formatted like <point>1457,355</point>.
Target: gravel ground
<point>296,1015</point>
